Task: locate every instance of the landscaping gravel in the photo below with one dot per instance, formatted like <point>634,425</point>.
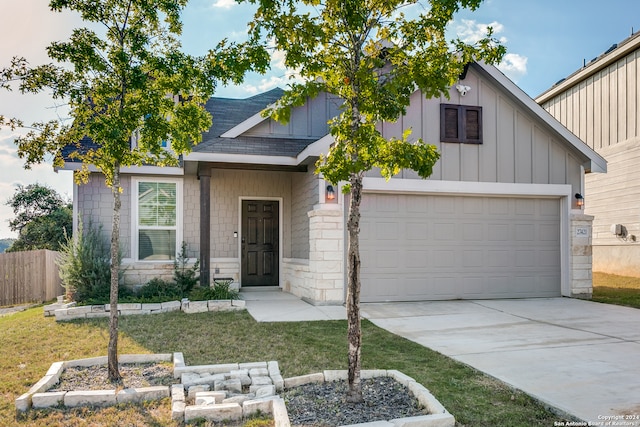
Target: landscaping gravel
<point>323,404</point>
<point>96,377</point>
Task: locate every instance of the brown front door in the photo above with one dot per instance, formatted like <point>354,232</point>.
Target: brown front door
<point>260,243</point>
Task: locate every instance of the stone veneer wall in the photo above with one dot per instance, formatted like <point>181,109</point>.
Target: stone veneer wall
<point>581,256</point>
<point>320,280</point>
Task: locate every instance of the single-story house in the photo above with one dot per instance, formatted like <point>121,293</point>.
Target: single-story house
<point>498,218</point>
<point>600,103</point>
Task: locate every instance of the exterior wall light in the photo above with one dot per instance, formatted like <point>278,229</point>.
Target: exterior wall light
<point>579,200</point>
<point>331,194</point>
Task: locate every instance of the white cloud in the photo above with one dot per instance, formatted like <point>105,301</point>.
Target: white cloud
<point>282,79</point>
<point>224,4</point>
<point>470,31</point>
<point>513,66</point>
<point>266,84</point>
<point>277,60</point>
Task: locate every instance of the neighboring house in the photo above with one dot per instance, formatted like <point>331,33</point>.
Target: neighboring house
<point>497,219</point>
<point>600,103</point>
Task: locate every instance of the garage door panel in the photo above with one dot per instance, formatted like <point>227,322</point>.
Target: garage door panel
<point>525,206</point>
<point>472,232</point>
<point>472,286</point>
<point>441,259</point>
<point>548,284</point>
<point>418,206</point>
<point>385,288</point>
<point>387,260</point>
<point>445,247</point>
<point>499,233</point>
<point>472,206</point>
<point>500,259</point>
<point>548,208</point>
<point>414,230</point>
<point>549,258</point>
<point>525,232</point>
<point>472,258</point>
<point>525,258</point>
<point>443,205</point>
<point>386,230</point>
<point>498,207</point>
<point>444,231</point>
<point>416,258</point>
<point>549,232</point>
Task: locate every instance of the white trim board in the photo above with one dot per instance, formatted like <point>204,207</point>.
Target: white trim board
<point>381,185</point>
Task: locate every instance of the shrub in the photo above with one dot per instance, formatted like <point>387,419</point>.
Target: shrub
<point>186,278</point>
<point>85,267</point>
<point>158,290</point>
<point>219,290</point>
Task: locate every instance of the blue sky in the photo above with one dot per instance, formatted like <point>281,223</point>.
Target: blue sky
<point>546,41</point>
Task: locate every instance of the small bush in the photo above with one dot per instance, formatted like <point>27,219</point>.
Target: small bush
<point>158,290</point>
<point>186,278</point>
<point>85,267</point>
<point>219,290</point>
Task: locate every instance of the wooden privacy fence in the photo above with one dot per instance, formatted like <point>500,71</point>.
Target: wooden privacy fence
<point>30,276</point>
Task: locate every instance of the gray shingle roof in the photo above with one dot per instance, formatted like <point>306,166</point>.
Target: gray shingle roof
<point>228,113</point>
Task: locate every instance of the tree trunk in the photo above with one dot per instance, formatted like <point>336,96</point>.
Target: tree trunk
<point>112,352</point>
<point>354,334</point>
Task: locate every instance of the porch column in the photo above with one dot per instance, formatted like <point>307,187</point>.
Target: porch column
<point>581,255</point>
<point>204,175</point>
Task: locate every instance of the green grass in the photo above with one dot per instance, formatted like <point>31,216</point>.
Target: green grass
<point>619,290</point>
<point>31,342</point>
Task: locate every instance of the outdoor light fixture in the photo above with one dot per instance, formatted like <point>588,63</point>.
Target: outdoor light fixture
<point>331,194</point>
<point>579,200</point>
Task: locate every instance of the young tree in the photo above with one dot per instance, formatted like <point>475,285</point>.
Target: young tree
<point>129,79</point>
<point>7,76</point>
<point>42,218</point>
<point>373,54</point>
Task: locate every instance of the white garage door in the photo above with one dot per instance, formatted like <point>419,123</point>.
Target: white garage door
<point>417,247</point>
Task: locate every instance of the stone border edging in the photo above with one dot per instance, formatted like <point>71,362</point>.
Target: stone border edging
<point>438,415</point>
<point>38,397</point>
<point>69,311</point>
<point>263,378</point>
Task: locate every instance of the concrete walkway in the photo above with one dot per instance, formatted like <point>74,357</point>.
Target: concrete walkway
<point>276,306</point>
<point>580,357</point>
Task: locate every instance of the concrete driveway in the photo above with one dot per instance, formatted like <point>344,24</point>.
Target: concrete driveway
<point>580,357</point>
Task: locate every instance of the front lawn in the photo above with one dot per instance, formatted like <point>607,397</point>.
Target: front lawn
<point>31,342</point>
<point>620,290</point>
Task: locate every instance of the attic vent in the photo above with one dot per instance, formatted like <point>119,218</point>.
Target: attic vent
<point>613,46</point>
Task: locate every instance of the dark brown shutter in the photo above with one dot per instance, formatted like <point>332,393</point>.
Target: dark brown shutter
<point>473,125</point>
<point>449,129</point>
<point>460,123</point>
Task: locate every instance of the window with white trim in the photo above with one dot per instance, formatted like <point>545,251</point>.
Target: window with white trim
<point>157,219</point>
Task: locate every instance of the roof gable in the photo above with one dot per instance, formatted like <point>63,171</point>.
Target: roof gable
<point>593,162</point>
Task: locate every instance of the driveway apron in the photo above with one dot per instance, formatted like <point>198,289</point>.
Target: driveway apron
<point>580,357</point>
